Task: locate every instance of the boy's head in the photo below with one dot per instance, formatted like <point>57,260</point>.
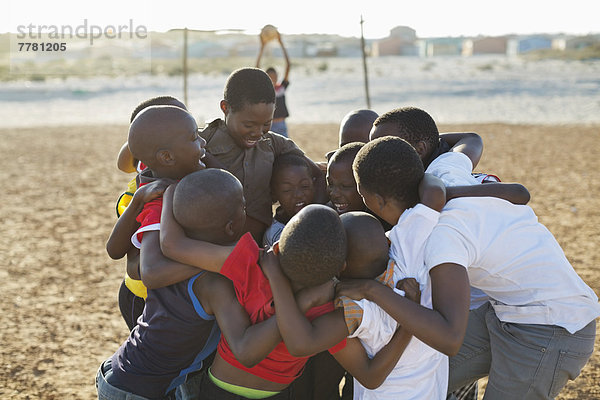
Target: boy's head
<point>209,205</point>
<point>356,125</point>
<point>368,246</point>
<point>312,246</point>
<point>412,124</point>
<point>248,105</point>
<point>292,183</point>
<point>165,138</point>
<point>388,171</point>
<point>341,185</point>
<point>156,101</point>
<point>272,74</point>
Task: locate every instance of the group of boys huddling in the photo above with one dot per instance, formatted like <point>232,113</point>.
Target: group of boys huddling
<point>391,264</point>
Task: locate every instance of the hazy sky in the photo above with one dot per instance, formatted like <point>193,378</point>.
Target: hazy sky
<point>428,17</point>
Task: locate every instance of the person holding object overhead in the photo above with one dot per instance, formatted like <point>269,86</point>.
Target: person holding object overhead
<point>267,34</point>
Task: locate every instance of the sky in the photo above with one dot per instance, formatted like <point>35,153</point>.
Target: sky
<point>430,18</point>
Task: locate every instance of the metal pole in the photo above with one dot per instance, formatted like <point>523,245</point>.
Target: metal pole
<point>364,56</point>
<point>185,67</point>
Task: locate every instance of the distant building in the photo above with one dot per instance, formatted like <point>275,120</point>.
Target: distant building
<point>441,47</point>
<point>400,42</point>
<point>525,44</point>
<point>485,45</point>
<point>575,43</point>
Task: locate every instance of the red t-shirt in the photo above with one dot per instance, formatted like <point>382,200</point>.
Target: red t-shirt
<point>254,294</point>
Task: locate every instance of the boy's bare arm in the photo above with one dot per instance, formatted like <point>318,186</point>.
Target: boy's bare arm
<point>260,51</point>
<point>372,372</point>
<point>513,192</point>
<point>468,143</point>
<point>156,270</point>
<point>286,73</point>
<point>125,160</point>
<point>432,192</point>
<point>442,327</point>
<point>177,246</point>
<point>301,336</point>
<point>249,343</point>
<point>119,241</point>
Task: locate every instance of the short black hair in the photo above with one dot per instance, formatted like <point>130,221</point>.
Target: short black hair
<point>288,160</point>
<point>390,167</point>
<point>312,246</point>
<point>346,153</point>
<point>413,125</point>
<point>248,86</point>
<point>206,200</point>
<point>157,101</point>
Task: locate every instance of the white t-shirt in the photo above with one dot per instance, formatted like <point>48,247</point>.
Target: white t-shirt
<point>454,169</point>
<point>515,260</point>
<point>421,372</point>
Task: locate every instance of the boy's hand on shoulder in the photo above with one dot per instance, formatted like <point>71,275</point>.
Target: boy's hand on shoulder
<point>411,289</point>
<point>356,289</point>
<point>269,262</point>
<point>314,296</point>
<point>154,189</point>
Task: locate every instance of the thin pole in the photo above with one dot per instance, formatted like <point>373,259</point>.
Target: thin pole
<point>364,56</point>
<point>185,67</point>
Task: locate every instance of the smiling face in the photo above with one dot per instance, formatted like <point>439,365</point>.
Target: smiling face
<point>247,125</point>
<point>341,187</point>
<point>293,187</point>
<point>188,149</point>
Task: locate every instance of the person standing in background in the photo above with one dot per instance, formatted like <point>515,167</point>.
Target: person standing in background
<point>267,34</point>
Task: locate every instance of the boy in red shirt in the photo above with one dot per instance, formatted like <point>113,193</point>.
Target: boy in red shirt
<point>312,251</point>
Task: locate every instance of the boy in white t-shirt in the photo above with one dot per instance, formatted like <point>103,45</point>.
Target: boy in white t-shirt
<point>537,331</point>
<point>421,372</point>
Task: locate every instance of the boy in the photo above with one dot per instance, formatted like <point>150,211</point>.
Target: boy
<point>281,111</point>
<point>242,144</point>
<point>293,187</point>
<point>340,181</point>
<point>445,156</point>
<point>312,250</point>
<point>355,127</point>
<point>418,128</point>
<point>541,314</point>
<point>166,139</point>
<point>132,292</point>
<point>177,330</point>
<point>125,160</point>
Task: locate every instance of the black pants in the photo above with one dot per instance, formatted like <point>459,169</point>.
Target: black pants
<point>130,305</point>
<point>210,391</point>
<point>321,378</point>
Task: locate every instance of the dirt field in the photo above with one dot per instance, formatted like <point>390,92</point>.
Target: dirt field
<point>58,294</point>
